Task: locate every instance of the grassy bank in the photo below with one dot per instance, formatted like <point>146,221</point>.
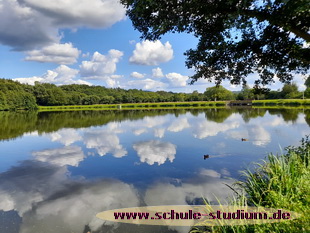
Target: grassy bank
<point>280,182</point>
<point>282,102</point>
<point>277,103</point>
<point>130,106</point>
<point>293,107</point>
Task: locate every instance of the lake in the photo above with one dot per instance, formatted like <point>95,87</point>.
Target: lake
<point>59,169</point>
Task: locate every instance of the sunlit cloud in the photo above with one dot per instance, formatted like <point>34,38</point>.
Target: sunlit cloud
<point>157,73</point>
<point>59,76</point>
<point>137,75</point>
<point>177,80</point>
<point>151,53</point>
<point>55,53</point>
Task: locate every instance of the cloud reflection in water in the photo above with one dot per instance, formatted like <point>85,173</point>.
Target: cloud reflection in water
<point>154,151</point>
<point>47,198</point>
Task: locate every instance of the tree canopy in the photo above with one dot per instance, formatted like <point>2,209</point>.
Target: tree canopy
<point>236,37</point>
<point>218,93</point>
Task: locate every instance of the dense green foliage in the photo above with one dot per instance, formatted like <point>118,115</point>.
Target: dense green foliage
<point>280,182</point>
<point>236,37</point>
<point>218,93</point>
<point>14,95</point>
<point>245,94</point>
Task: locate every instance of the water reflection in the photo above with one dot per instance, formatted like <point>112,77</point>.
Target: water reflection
<point>159,132</point>
<point>104,141</point>
<point>179,125</point>
<point>46,122</point>
<point>154,151</point>
<point>65,136</point>
<point>203,129</point>
<point>70,155</point>
<point>47,198</point>
<point>66,167</point>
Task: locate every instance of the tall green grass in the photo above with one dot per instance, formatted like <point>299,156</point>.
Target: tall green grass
<point>281,102</point>
<point>129,106</point>
<point>281,182</point>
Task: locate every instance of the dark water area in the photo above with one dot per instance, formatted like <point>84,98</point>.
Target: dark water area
<point>59,169</point>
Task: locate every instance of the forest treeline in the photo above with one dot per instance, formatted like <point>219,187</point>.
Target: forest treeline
<point>14,95</point>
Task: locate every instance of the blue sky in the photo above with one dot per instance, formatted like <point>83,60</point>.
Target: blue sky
<point>92,42</point>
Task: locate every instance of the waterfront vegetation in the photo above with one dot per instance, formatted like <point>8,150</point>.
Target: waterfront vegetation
<point>281,102</point>
<point>132,106</point>
<point>280,182</point>
<point>46,96</point>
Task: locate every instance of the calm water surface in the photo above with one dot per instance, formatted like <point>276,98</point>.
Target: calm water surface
<point>59,169</point>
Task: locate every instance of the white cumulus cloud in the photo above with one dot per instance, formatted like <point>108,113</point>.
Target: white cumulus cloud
<point>55,53</point>
<point>30,80</point>
<point>157,73</point>
<point>146,84</point>
<point>177,80</point>
<point>102,67</point>
<point>59,76</point>
<point>137,75</point>
<point>151,53</point>
<point>62,74</point>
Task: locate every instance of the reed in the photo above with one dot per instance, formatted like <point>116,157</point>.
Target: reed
<point>280,182</point>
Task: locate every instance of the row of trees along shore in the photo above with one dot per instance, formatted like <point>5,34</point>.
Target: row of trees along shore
<point>14,95</point>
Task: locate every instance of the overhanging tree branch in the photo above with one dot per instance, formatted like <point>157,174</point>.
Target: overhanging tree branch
<point>236,37</point>
<point>262,16</point>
